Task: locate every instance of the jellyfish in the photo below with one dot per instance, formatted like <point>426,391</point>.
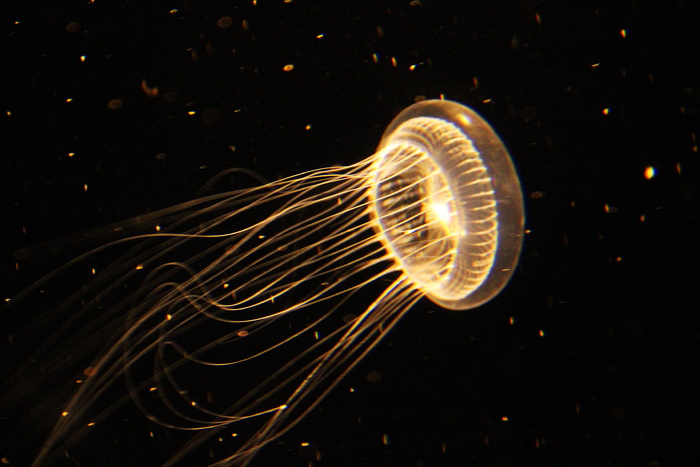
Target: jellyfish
<point>241,310</point>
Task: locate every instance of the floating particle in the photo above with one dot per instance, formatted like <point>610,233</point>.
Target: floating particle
<point>170,97</point>
<point>617,413</point>
<point>224,22</point>
<point>74,27</point>
<point>115,104</point>
<point>288,67</point>
<point>515,42</point>
<point>649,173</point>
<point>150,91</point>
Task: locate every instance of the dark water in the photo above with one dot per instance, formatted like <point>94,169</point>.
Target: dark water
<point>589,356</point>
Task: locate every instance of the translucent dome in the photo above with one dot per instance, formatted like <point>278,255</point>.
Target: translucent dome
<point>446,202</point>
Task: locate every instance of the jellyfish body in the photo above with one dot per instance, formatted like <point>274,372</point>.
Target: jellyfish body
<point>248,307</point>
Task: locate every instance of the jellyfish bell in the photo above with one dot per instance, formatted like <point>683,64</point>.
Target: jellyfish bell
<point>467,210</point>
<point>230,322</point>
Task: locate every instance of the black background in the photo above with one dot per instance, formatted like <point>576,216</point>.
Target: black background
<point>600,364</point>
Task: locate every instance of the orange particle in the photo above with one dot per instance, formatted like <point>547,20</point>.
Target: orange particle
<point>224,22</point>
<point>289,67</point>
<point>115,104</point>
<point>149,91</point>
<point>170,97</point>
<point>74,27</point>
<point>242,333</point>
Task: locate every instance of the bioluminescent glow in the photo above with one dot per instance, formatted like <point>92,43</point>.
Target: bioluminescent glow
<point>246,308</point>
